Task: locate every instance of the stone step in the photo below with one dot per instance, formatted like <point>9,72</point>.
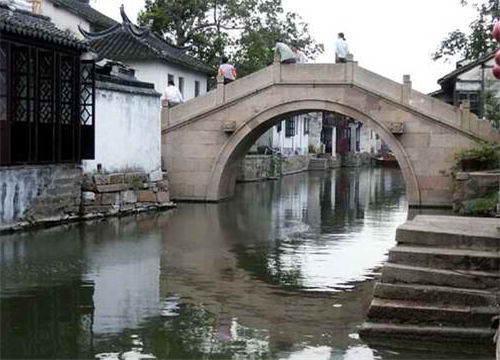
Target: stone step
<point>437,295</point>
<point>411,312</point>
<point>438,334</point>
<point>441,258</point>
<point>398,273</point>
<point>450,232</point>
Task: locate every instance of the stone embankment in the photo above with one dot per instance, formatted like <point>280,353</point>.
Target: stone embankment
<point>50,195</point>
<point>110,194</point>
<point>441,283</point>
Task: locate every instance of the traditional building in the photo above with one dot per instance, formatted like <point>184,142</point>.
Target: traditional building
<point>46,115</point>
<point>469,81</point>
<point>154,59</point>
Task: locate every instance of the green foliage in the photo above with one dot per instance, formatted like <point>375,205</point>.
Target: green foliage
<point>246,30</point>
<point>492,107</point>
<point>478,41</point>
<point>483,206</point>
<point>485,154</point>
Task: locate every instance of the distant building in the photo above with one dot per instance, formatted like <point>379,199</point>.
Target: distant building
<point>154,59</point>
<point>468,82</point>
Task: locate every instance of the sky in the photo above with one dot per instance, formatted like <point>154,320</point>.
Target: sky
<point>389,37</point>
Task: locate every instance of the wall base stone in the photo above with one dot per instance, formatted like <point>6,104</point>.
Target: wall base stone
<point>64,194</point>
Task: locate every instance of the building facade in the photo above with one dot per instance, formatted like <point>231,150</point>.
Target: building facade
<point>470,81</point>
<point>46,116</point>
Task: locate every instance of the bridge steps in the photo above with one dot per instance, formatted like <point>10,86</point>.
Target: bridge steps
<point>442,280</point>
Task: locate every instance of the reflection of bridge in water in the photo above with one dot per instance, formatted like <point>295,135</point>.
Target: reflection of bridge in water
<point>204,139</point>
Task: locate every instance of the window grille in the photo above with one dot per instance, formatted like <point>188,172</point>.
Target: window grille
<point>290,127</point>
<point>39,100</point>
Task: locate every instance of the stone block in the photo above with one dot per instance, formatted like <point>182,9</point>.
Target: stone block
<point>156,175</point>
<point>88,197</point>
<point>88,183</point>
<point>147,196</point>
<point>110,199</point>
<point>128,197</point>
<point>116,178</point>
<point>127,207</point>
<point>462,176</point>
<point>136,178</point>
<point>163,197</point>
<point>101,179</point>
<point>111,188</point>
<point>100,209</point>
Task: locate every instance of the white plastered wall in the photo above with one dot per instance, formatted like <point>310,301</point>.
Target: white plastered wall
<point>64,19</point>
<point>127,132</point>
<point>156,72</point>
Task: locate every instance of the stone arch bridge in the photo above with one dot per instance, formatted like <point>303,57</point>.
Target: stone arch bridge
<point>204,139</point>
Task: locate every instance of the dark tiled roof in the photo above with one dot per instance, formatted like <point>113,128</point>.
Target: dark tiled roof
<point>125,42</point>
<point>98,20</point>
<point>25,24</point>
<point>466,68</point>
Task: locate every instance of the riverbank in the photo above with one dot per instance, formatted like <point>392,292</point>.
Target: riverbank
<point>37,197</point>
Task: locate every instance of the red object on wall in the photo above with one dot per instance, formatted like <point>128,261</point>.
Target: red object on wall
<point>496,71</point>
<point>496,31</point>
<point>497,57</point>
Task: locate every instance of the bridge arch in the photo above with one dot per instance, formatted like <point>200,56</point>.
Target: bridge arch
<point>223,175</point>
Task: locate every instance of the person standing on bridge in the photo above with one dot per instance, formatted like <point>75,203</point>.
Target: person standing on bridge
<point>341,49</point>
<point>227,70</point>
<point>285,53</point>
<point>299,55</point>
<point>173,95</point>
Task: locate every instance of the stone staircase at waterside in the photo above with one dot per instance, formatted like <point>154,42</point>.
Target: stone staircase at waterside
<point>441,283</point>
<point>318,164</point>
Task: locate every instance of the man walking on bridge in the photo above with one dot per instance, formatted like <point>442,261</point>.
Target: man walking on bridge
<point>341,49</point>
<point>173,95</point>
<point>285,53</point>
<point>227,70</point>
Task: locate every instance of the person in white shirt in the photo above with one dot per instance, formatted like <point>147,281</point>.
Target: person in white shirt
<point>173,95</point>
<point>286,54</point>
<point>341,49</point>
<point>227,70</point>
<point>299,55</point>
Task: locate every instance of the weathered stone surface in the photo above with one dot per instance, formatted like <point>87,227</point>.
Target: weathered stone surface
<point>445,276</point>
<point>101,209</point>
<point>111,188</point>
<point>43,191</point>
<point>88,197</point>
<point>116,178</point>
<point>101,179</point>
<point>110,199</point>
<point>156,176</point>
<point>162,197</point>
<point>128,197</point>
<point>146,196</point>
<point>136,178</point>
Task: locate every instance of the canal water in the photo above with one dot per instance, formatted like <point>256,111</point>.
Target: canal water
<point>284,270</point>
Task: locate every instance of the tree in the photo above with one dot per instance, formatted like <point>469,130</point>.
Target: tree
<point>243,29</point>
<point>478,41</point>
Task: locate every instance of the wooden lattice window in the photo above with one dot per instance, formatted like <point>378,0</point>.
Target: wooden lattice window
<point>290,127</point>
<point>39,100</point>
